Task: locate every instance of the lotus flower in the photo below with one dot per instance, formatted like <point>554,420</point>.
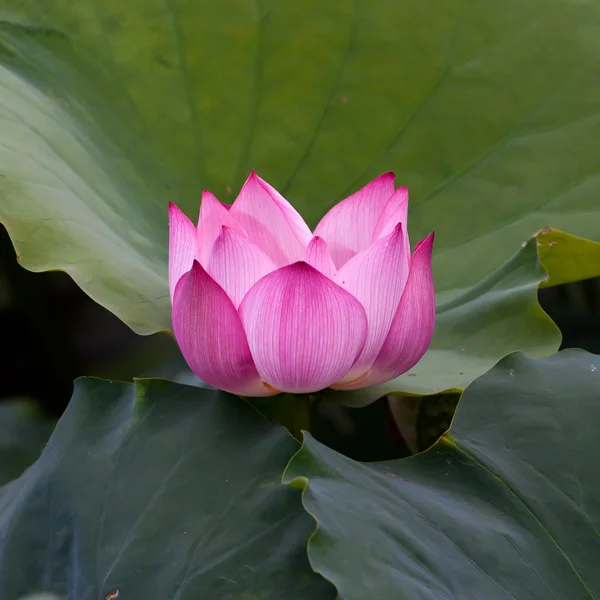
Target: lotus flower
<point>261,305</point>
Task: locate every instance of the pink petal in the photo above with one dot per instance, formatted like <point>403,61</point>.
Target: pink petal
<point>394,212</point>
<point>270,221</point>
<point>211,337</point>
<point>182,246</point>
<point>304,331</point>
<point>236,264</point>
<point>348,227</point>
<point>213,216</point>
<point>412,327</point>
<point>317,256</point>
<point>376,277</point>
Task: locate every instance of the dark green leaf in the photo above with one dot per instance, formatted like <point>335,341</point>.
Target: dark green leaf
<point>505,505</point>
<point>157,490</point>
<point>23,432</point>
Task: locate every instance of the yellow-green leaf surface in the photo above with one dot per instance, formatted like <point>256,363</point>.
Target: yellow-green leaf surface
<point>503,506</point>
<point>566,257</point>
<point>487,111</point>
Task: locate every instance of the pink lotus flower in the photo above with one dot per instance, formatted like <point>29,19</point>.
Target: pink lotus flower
<point>261,305</point>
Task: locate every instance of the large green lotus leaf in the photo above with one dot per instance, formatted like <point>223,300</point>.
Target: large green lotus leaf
<point>487,111</point>
<point>504,505</point>
<point>157,490</point>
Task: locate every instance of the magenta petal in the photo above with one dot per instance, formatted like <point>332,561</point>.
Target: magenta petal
<point>182,246</point>
<point>376,277</point>
<point>211,337</point>
<point>412,327</point>
<point>270,221</point>
<point>236,264</point>
<point>304,331</point>
<point>213,216</point>
<point>348,227</point>
<point>317,256</point>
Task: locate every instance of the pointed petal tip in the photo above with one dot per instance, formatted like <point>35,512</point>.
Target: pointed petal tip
<point>175,213</point>
<point>270,221</point>
<point>196,270</point>
<point>397,232</point>
<point>426,243</point>
<point>253,176</point>
<point>317,255</point>
<point>387,177</point>
<point>208,195</point>
<point>174,209</point>
<point>403,192</point>
<point>254,179</point>
<point>301,265</point>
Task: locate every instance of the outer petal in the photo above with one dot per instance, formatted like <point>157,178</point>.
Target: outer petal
<point>270,221</point>
<point>317,256</point>
<point>182,246</point>
<point>412,327</point>
<point>348,227</point>
<point>304,331</point>
<point>213,216</point>
<point>236,264</point>
<point>376,277</point>
<point>211,337</point>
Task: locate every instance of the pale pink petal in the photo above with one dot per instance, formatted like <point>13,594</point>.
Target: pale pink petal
<point>412,326</point>
<point>304,331</point>
<point>236,264</point>
<point>376,277</point>
<point>182,246</point>
<point>213,216</point>
<point>270,221</point>
<point>317,256</point>
<point>394,212</point>
<point>297,223</point>
<point>348,227</point>
<point>211,337</point>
